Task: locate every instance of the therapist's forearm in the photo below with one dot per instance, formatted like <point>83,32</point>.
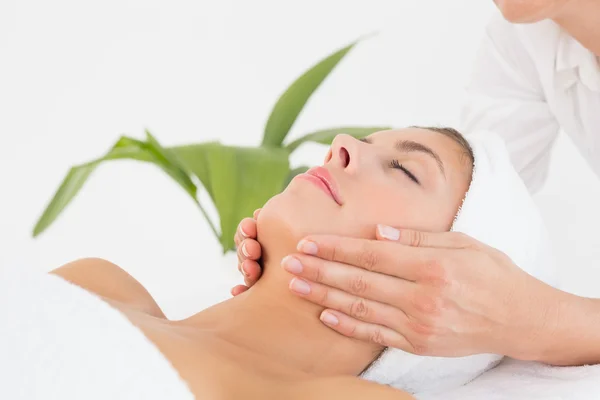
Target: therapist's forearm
<point>572,332</point>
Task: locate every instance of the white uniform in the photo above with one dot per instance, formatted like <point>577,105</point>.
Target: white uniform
<point>528,82</point>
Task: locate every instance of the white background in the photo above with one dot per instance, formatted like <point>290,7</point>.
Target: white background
<point>75,75</point>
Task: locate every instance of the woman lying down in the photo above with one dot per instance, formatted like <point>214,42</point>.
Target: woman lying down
<point>111,339</point>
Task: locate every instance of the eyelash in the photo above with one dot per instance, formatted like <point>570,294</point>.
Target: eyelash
<point>395,164</point>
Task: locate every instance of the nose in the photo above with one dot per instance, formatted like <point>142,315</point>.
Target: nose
<point>344,153</point>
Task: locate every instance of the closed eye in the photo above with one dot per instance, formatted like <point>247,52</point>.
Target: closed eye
<point>395,164</point>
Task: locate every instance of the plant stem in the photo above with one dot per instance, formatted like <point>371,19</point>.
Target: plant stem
<point>210,223</point>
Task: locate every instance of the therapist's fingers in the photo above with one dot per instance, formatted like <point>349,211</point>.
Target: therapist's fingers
<point>246,229</point>
<point>356,281</point>
<point>414,238</point>
<point>366,332</point>
<point>249,249</point>
<point>248,253</point>
<point>251,271</point>
<point>354,306</point>
<point>384,257</point>
<point>239,289</point>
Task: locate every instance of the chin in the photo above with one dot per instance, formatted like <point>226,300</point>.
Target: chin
<point>301,211</point>
<point>286,218</point>
<point>518,18</point>
<point>518,13</point>
<point>523,21</point>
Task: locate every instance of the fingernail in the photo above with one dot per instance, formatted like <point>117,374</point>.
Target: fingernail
<point>329,319</point>
<point>243,232</point>
<point>307,247</point>
<point>388,232</point>
<point>292,265</point>
<point>244,251</point>
<point>246,273</point>
<point>299,286</point>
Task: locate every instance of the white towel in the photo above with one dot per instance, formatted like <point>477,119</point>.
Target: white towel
<point>498,211</point>
<point>522,380</point>
<point>58,341</point>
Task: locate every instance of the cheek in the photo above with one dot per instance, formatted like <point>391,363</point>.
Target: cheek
<point>409,208</point>
<point>527,11</point>
<point>377,205</point>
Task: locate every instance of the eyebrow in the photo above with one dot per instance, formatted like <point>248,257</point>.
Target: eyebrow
<point>408,146</point>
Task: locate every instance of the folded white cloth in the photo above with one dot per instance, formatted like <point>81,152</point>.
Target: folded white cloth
<point>58,341</point>
<point>498,211</point>
<point>522,380</point>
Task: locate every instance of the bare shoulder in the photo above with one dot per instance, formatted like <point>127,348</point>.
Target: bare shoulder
<point>110,282</point>
<point>350,388</point>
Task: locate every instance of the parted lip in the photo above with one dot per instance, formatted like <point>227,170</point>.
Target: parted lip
<point>324,175</point>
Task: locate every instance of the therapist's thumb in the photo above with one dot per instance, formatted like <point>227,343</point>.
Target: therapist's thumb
<point>414,238</point>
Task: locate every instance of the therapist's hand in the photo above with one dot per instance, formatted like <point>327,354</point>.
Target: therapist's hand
<point>248,252</point>
<point>438,294</point>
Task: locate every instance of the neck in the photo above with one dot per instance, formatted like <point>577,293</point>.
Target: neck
<point>268,321</point>
<point>580,18</point>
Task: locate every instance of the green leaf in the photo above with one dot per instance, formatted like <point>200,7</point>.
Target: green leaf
<point>238,179</point>
<point>291,103</point>
<point>169,163</point>
<point>326,136</point>
<point>65,193</point>
<point>243,179</point>
<point>293,173</point>
<point>194,159</point>
<point>124,148</point>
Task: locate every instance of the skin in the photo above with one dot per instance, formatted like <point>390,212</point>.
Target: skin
<point>579,18</point>
<point>490,304</point>
<point>260,337</point>
<point>530,11</point>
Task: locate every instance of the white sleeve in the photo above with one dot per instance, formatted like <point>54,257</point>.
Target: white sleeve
<point>505,96</point>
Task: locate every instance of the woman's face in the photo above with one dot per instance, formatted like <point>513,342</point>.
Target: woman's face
<point>527,11</point>
<point>410,178</point>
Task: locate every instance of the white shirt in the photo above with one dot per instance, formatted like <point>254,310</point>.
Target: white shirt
<point>528,82</point>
